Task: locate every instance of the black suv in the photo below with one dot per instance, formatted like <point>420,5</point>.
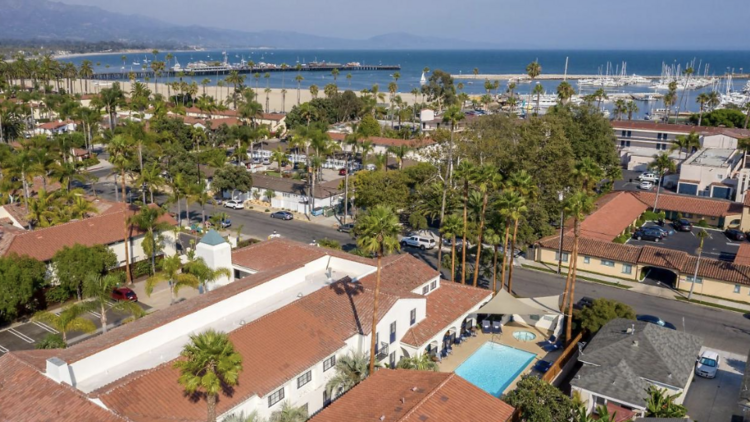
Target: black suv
<point>647,234</point>
<point>682,225</point>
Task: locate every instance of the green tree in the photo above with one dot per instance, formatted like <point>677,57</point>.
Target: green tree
<point>565,91</point>
<point>722,117</point>
<point>422,362</point>
<point>539,401</point>
<point>209,364</point>
<point>203,273</point>
<point>369,126</point>
<point>74,264</point>
<point>232,178</point>
<point>378,234</point>
<point>593,318</point>
<point>51,341</point>
<point>289,413</point>
<point>350,370</point>
<point>687,143</point>
<point>149,220</point>
<point>20,278</point>
<point>452,227</point>
<point>98,290</point>
<point>279,156</point>
<point>70,319</point>
<point>330,244</point>
<point>381,188</point>
<point>662,164</point>
<point>660,404</point>
<point>171,274</point>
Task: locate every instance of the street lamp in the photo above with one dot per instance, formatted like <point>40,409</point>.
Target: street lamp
<point>560,197</point>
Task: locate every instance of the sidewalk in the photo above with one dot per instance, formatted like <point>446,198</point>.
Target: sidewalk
<point>663,292</point>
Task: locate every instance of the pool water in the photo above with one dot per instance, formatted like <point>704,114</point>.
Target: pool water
<point>524,335</point>
<point>494,367</point>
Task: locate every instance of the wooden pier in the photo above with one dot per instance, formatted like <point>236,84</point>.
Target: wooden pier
<point>142,74</point>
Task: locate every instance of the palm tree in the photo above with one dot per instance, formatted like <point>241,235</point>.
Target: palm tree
<point>299,79</point>
<point>350,371</point>
<point>422,362</point>
<point>631,107</point>
<point>70,319</point>
<point>659,404</point>
<point>587,173</point>
<point>279,156</point>
<point>98,289</point>
<point>465,173</point>
<point>148,220</point>
<point>493,239</point>
<point>686,142</point>
<point>620,108</point>
<point>578,205</point>
<point>662,164</point>
<point>314,91</point>
<point>701,236</point>
<point>170,273</point>
<point>512,206</point>
<point>487,180</point>
<point>538,91</point>
<point>335,74</point>
<point>565,91</point>
<point>687,73</point>
<point>203,273</point>
<point>702,99</point>
<point>377,230</point>
<point>452,227</point>
<point>399,151</point>
<point>120,153</point>
<point>209,364</point>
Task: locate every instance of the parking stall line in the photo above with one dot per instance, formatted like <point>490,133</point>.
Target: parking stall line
<point>96,314</point>
<point>3,349</point>
<point>45,327</point>
<point>20,335</point>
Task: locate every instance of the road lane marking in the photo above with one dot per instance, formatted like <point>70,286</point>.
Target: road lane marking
<point>20,335</point>
<point>3,350</point>
<point>45,327</point>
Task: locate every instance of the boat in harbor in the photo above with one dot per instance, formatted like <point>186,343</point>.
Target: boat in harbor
<point>422,80</point>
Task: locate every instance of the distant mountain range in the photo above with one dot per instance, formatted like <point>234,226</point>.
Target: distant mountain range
<point>47,20</point>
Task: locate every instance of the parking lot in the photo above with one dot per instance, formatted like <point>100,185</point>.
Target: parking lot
<point>715,400</point>
<point>716,245</point>
<point>26,336</point>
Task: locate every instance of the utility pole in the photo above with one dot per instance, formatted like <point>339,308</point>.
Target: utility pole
<point>562,228</point>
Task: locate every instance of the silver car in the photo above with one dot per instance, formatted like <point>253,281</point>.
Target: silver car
<point>708,364</point>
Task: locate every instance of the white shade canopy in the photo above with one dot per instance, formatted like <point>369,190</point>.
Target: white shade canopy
<point>506,304</point>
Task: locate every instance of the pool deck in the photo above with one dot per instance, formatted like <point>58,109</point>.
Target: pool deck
<point>467,348</point>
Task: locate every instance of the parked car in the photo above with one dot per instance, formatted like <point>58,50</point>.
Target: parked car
<point>225,224</point>
<point>646,234</point>
<point>124,294</point>
<point>459,243</point>
<point>370,167</point>
<point>342,172</point>
<point>418,242</point>
<point>734,234</point>
<point>585,302</point>
<point>218,200</point>
<point>284,215</point>
<point>317,211</point>
<point>648,177</point>
<point>708,364</point>
<point>346,228</point>
<point>266,161</point>
<point>664,232</point>
<point>651,319</point>
<point>682,225</point>
<point>233,203</point>
<point>646,185</point>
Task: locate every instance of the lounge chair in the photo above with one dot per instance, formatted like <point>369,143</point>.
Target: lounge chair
<point>486,326</point>
<point>542,366</point>
<point>497,327</point>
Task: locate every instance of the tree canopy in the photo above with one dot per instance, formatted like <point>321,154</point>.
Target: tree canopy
<point>540,401</point>
<point>594,317</point>
<point>20,278</point>
<point>73,264</point>
<point>232,178</point>
<point>722,117</point>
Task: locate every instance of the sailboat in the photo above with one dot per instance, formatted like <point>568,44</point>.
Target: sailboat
<point>422,80</point>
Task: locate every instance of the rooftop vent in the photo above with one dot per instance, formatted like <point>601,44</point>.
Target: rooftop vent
<point>382,417</point>
<point>635,343</point>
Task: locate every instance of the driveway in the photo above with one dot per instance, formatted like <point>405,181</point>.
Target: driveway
<point>715,400</point>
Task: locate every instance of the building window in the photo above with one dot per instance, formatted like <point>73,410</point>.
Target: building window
<point>623,133</point>
<point>622,143</point>
<point>425,290</point>
<point>627,268</point>
<point>564,256</point>
<point>276,397</point>
<point>304,379</point>
<point>627,143</point>
<point>413,316</point>
<point>433,285</point>
<point>393,332</point>
<point>392,359</point>
<point>326,397</point>
<point>630,133</point>
<point>736,288</point>
<point>377,343</point>
<point>608,263</point>
<point>329,363</point>
<point>586,259</point>
<point>697,280</point>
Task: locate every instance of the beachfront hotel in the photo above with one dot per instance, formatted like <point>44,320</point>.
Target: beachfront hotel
<point>291,310</point>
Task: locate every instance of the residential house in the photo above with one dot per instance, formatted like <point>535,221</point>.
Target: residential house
<point>55,128</point>
<point>406,395</point>
<point>275,122</point>
<point>626,357</point>
<point>291,194</point>
<point>381,145</point>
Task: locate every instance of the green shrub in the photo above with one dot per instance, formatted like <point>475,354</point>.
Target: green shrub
<point>702,223</point>
<point>679,216</point>
<point>652,216</point>
<point>639,222</point>
<point>57,294</point>
<point>330,244</point>
<point>267,210</point>
<point>141,268</point>
<point>51,341</point>
<point>246,242</point>
<point>622,238</point>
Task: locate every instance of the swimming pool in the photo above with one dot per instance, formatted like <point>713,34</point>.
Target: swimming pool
<point>494,367</point>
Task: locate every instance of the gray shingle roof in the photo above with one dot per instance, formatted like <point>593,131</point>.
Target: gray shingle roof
<point>652,352</point>
<point>618,382</point>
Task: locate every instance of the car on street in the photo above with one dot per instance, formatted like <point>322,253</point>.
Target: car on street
<point>646,185</point>
<point>682,225</point>
<point>647,234</point>
<point>708,364</point>
<point>459,243</point>
<point>734,234</point>
<point>648,177</point>
<point>233,203</point>
<point>651,319</point>
<point>342,172</point>
<point>346,228</point>
<point>284,215</point>
<point>585,302</point>
<point>418,242</point>
<point>124,294</point>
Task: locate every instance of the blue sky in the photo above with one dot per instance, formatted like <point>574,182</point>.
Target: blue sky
<point>651,24</point>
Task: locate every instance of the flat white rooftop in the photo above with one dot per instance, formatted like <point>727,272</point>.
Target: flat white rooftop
<point>712,157</point>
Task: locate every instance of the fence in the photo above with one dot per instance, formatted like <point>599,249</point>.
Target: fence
<point>565,356</point>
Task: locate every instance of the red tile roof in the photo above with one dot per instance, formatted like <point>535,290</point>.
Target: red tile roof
<point>593,247</point>
<point>314,327</point>
<point>273,116</point>
<point>28,395</point>
<point>743,254</point>
<point>691,204</point>
<point>53,125</point>
<point>415,396</point>
<point>401,274</point>
<point>104,229</point>
<point>444,306</point>
<point>412,143</point>
<point>615,212</point>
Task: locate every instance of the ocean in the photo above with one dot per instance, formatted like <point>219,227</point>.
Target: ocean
<point>453,61</point>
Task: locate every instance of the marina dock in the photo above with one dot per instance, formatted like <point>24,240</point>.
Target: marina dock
<point>522,77</point>
<point>140,74</point>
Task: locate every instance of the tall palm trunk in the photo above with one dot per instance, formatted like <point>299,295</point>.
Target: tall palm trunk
<point>211,402</point>
<point>463,245</point>
<point>571,297</point>
<point>510,260</point>
<point>494,271</point>
<point>103,318</point>
<point>453,258</point>
<point>479,239</point>
<point>128,275</point>
<point>505,253</point>
<point>375,313</point>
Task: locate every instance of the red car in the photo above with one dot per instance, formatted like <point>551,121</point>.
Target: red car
<point>342,172</point>
<point>124,293</point>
